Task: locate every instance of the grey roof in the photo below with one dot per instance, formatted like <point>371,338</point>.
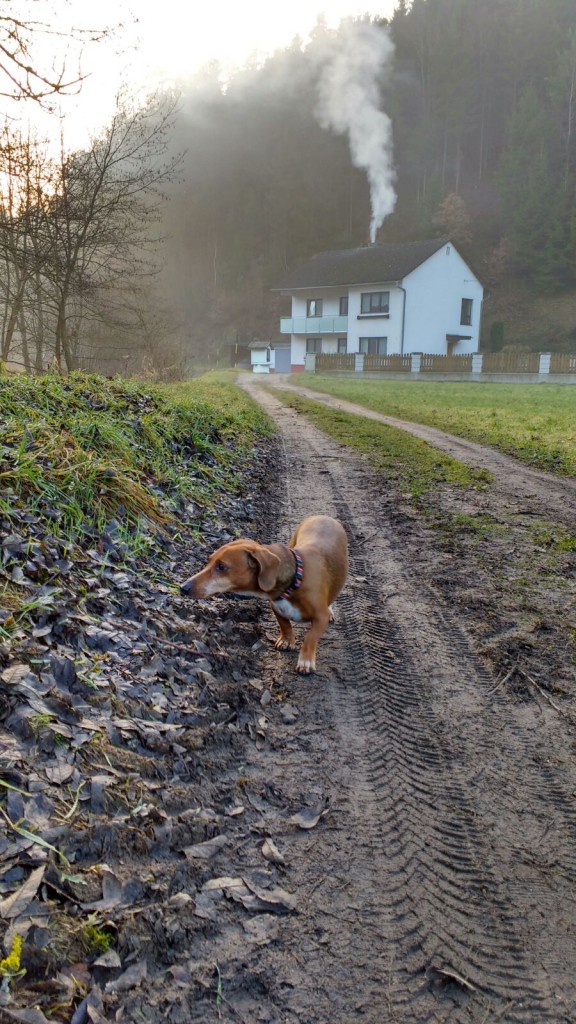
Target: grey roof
<point>366,265</point>
<point>275,343</point>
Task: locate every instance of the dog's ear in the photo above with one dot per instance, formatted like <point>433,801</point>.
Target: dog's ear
<point>268,565</point>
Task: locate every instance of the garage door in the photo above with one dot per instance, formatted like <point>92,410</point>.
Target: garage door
<point>282,360</point>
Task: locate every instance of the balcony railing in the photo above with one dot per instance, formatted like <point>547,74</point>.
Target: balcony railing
<point>310,325</point>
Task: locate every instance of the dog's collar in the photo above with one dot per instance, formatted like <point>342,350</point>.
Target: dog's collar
<point>297,577</point>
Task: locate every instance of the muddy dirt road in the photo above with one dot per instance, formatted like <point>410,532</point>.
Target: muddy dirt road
<point>441,885</point>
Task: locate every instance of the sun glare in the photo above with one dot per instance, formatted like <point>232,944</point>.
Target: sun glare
<point>151,46</point>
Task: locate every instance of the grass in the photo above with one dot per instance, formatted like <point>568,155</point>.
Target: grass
<point>86,456</point>
<point>234,413</point>
<point>413,464</point>
<point>554,537</point>
<point>81,450</point>
<point>535,423</point>
<point>96,940</point>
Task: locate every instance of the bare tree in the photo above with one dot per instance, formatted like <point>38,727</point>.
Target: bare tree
<point>27,174</point>
<point>453,219</point>
<point>101,219</point>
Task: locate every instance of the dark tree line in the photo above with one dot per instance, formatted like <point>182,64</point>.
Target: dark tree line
<point>482,98</point>
<point>494,116</point>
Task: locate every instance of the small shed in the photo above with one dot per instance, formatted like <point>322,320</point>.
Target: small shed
<point>270,356</point>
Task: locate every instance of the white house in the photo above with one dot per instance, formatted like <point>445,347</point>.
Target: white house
<point>390,299</point>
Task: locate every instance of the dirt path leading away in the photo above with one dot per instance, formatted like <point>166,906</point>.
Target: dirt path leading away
<point>557,495</point>
<point>441,885</point>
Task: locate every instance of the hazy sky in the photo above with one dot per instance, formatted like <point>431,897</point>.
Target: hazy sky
<point>187,35</point>
<point>164,41</point>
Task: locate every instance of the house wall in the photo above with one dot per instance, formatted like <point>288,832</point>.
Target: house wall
<point>298,352</point>
<point>298,348</point>
<point>360,326</point>
<point>435,291</point>
<point>330,298</point>
<point>330,307</point>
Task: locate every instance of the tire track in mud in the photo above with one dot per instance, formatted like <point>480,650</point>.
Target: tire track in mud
<point>467,796</point>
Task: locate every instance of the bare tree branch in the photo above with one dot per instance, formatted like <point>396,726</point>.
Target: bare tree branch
<point>23,74</point>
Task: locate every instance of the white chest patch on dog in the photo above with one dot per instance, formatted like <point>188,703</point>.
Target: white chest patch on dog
<point>287,610</point>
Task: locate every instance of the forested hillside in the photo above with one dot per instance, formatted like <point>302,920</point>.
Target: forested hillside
<point>482,98</point>
<point>158,247</point>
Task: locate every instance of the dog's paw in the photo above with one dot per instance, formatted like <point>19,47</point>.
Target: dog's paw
<point>305,667</point>
<point>331,614</point>
<point>284,645</point>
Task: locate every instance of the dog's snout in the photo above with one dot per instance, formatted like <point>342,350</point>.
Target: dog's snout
<point>186,587</point>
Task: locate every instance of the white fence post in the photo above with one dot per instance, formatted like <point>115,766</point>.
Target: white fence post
<point>416,362</point>
<point>544,366</point>
<point>477,359</point>
<point>310,362</point>
<point>358,362</point>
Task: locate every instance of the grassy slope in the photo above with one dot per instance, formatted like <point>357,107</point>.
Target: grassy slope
<point>90,447</point>
<point>78,454</point>
<point>536,423</point>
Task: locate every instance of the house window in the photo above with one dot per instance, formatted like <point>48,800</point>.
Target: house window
<point>343,305</point>
<point>313,346</point>
<point>466,312</point>
<point>314,307</point>
<point>375,303</point>
<point>374,346</point>
<point>342,346</point>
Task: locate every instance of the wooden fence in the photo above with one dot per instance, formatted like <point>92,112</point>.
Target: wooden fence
<point>561,363</point>
<point>396,364</point>
<point>445,364</point>
<point>538,364</point>
<point>511,362</point>
<point>334,362</point>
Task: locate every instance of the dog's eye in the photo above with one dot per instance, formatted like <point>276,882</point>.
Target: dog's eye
<point>220,567</point>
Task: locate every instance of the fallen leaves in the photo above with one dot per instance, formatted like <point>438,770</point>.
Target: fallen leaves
<point>253,896</point>
<point>271,852</point>
<point>112,703</point>
<point>206,850</point>
<point>309,817</point>
<point>16,904</point>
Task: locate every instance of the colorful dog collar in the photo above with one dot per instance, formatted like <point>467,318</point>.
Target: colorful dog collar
<point>297,578</point>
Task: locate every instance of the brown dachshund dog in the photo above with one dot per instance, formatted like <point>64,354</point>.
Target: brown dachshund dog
<point>301,579</point>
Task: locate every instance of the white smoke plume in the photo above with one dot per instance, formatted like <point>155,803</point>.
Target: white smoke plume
<point>349,102</point>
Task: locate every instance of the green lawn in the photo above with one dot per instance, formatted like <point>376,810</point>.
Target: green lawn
<point>534,422</point>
